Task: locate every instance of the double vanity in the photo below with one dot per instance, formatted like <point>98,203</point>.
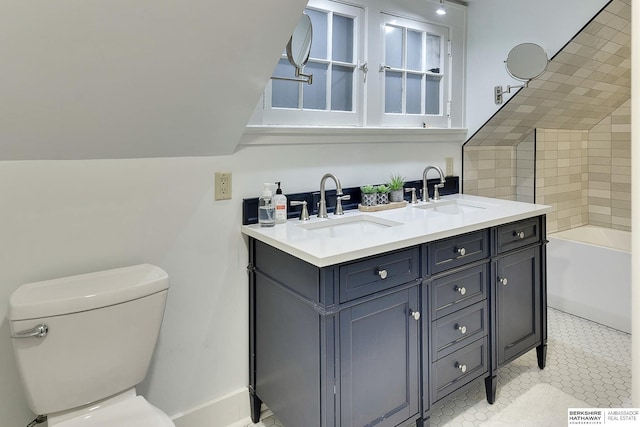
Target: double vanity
<point>368,319</point>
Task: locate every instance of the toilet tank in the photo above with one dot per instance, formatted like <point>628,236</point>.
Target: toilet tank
<point>102,329</point>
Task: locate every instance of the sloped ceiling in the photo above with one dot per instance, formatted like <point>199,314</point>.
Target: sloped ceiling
<point>145,78</point>
<point>585,82</point>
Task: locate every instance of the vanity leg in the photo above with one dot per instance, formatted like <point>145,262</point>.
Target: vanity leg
<point>423,422</point>
<point>541,351</point>
<point>256,405</point>
<point>490,386</point>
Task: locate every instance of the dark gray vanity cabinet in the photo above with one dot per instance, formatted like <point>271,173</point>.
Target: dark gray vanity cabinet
<point>376,341</point>
<point>379,360</point>
<point>458,346</point>
<point>335,346</point>
<point>517,294</point>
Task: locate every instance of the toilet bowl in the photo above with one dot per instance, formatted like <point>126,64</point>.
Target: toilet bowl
<point>97,333</point>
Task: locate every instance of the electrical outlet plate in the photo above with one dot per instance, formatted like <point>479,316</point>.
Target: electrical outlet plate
<point>449,171</point>
<point>223,186</point>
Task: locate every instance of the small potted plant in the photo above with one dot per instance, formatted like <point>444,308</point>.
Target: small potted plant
<point>368,195</point>
<point>396,185</point>
<point>383,194</point>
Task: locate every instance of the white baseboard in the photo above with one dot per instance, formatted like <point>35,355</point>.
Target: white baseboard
<point>231,410</point>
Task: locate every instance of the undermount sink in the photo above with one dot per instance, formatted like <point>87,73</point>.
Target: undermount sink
<point>453,207</point>
<point>349,225</point>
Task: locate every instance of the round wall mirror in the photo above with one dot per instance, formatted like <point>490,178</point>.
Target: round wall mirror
<point>299,44</point>
<point>526,61</point>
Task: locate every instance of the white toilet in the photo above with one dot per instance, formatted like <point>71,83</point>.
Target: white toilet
<point>83,343</point>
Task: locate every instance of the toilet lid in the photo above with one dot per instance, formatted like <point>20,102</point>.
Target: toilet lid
<point>135,412</point>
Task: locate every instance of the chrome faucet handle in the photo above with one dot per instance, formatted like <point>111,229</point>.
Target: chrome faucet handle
<point>436,193</point>
<point>412,190</point>
<point>339,200</point>
<point>304,214</point>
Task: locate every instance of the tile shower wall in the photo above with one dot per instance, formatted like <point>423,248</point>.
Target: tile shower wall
<point>584,175</point>
<point>490,171</point>
<point>562,176</point>
<point>579,109</point>
<point>525,169</point>
<point>609,148</point>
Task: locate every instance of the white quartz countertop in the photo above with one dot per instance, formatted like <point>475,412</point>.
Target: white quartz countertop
<point>356,234</point>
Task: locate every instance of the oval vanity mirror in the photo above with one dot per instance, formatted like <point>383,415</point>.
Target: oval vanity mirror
<point>526,61</point>
<point>299,45</point>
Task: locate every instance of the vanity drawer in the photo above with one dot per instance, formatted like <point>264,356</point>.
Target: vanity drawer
<point>459,368</point>
<point>378,273</point>
<point>457,251</point>
<point>458,290</point>
<point>518,234</point>
<point>456,330</point>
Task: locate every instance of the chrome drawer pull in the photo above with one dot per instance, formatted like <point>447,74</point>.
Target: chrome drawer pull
<point>461,328</point>
<point>519,234</point>
<point>461,251</point>
<point>382,274</point>
<point>460,290</point>
<point>503,280</point>
<point>462,368</point>
<point>414,314</point>
<point>39,331</point>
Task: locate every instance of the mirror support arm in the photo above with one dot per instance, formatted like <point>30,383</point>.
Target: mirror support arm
<point>498,92</point>
<point>306,78</point>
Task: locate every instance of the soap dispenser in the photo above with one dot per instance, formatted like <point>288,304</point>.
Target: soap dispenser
<point>266,209</point>
<point>280,201</point>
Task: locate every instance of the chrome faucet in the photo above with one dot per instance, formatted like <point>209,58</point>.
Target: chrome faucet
<point>322,205</point>
<point>425,192</point>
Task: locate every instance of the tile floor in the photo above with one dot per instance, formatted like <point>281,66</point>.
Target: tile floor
<point>584,359</point>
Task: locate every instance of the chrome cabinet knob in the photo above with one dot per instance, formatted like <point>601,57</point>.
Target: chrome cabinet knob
<point>414,314</point>
<point>460,290</point>
<point>503,280</point>
<point>463,368</point>
<point>519,234</point>
<point>461,328</point>
<point>382,273</point>
<point>461,251</point>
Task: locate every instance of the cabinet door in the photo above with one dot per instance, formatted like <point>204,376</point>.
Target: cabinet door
<point>379,348</point>
<point>518,303</point>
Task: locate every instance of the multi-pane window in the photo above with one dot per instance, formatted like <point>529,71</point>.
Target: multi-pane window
<point>414,68</point>
<point>333,61</point>
<point>402,79</point>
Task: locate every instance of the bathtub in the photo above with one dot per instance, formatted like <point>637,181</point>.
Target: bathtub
<point>589,274</point>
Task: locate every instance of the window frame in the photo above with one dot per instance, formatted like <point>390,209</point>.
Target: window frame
<point>369,107</point>
<point>442,119</point>
<point>313,117</point>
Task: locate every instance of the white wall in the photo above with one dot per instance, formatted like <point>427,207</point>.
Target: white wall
<point>496,26</point>
<point>65,217</point>
<point>144,78</point>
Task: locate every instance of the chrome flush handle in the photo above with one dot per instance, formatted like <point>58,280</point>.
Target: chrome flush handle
<point>39,331</point>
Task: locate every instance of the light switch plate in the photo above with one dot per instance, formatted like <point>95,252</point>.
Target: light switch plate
<point>223,186</point>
